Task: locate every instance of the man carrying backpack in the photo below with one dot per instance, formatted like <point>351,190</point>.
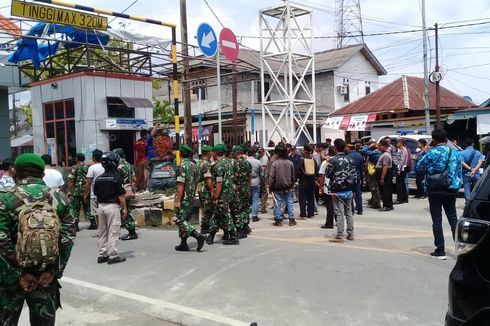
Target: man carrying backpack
<point>342,174</point>
<point>30,268</point>
<point>307,172</point>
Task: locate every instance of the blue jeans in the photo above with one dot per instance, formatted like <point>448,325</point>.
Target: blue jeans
<point>279,197</point>
<point>436,203</point>
<point>469,183</point>
<point>357,198</point>
<point>255,190</point>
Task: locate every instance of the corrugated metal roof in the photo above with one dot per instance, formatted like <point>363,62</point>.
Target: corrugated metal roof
<point>391,98</point>
<point>485,106</point>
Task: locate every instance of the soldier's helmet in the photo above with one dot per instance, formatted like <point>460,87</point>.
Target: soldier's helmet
<point>110,160</point>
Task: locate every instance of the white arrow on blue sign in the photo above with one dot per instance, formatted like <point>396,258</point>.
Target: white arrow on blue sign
<point>206,38</point>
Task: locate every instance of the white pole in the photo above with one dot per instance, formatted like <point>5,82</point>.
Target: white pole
<point>199,134</point>
<point>252,97</point>
<point>264,141</point>
<point>290,75</point>
<point>218,82</point>
<point>313,81</point>
<point>426,72</point>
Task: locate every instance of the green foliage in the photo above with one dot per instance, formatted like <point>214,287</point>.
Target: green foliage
<point>26,110</point>
<point>156,84</point>
<point>163,112</point>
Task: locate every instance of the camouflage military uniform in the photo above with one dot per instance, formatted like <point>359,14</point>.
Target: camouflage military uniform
<point>203,169</point>
<point>42,302</point>
<point>242,185</point>
<point>186,174</point>
<point>78,175</point>
<point>126,173</point>
<point>234,202</point>
<point>222,171</point>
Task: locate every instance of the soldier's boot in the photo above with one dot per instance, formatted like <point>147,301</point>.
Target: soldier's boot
<point>199,238</point>
<point>233,239</point>
<point>183,245</point>
<point>226,235</point>
<point>130,236</point>
<point>210,237</point>
<point>205,228</point>
<point>241,233</point>
<point>77,227</point>
<point>93,225</point>
<point>247,229</point>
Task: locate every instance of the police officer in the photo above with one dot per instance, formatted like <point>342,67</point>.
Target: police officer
<point>76,188</point>
<point>38,286</point>
<point>222,176</point>
<point>125,171</point>
<point>186,189</point>
<point>111,200</point>
<point>205,187</point>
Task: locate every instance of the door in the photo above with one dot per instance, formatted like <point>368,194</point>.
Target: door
<point>123,139</point>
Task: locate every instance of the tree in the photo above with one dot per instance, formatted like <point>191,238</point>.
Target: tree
<point>26,110</point>
<point>163,112</point>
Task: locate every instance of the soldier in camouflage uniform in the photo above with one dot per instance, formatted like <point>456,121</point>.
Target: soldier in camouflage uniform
<point>76,187</point>
<point>125,171</point>
<point>243,170</point>
<point>186,189</point>
<point>39,288</point>
<point>205,188</point>
<point>222,174</point>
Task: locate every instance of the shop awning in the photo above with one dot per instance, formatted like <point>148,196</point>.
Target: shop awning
<point>25,140</point>
<point>133,102</point>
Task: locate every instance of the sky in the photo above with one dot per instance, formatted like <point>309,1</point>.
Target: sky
<point>464,51</point>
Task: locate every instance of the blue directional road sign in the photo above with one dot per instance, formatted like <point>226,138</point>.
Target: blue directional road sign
<point>206,38</point>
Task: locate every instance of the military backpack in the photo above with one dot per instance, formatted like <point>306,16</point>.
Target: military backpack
<point>38,234</point>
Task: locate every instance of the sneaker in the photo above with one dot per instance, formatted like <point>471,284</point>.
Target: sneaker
<point>438,255</point>
<point>255,219</point>
<point>386,209</point>
<point>116,260</point>
<point>327,226</point>
<point>277,223</point>
<point>292,222</point>
<point>101,260</point>
<point>337,239</point>
<point>350,237</point>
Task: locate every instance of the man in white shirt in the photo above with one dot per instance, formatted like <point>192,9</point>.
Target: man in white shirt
<point>52,178</point>
<point>94,171</point>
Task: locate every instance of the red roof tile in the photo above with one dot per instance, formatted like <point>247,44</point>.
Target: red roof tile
<point>391,98</point>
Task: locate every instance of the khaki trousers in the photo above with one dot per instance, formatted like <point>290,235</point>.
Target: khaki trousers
<point>109,229</point>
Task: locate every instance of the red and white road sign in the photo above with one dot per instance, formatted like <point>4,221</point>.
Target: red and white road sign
<point>228,44</point>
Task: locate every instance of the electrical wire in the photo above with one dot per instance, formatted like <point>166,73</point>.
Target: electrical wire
<point>122,12</point>
<point>214,14</point>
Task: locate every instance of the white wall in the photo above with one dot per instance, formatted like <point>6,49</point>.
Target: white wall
<point>90,97</point>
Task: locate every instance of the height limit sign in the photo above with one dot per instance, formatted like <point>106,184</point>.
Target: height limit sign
<point>228,44</point>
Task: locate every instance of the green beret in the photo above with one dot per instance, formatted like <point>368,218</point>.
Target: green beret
<point>185,148</point>
<point>220,148</point>
<point>206,148</point>
<point>237,149</point>
<point>80,157</point>
<point>118,151</point>
<point>30,159</point>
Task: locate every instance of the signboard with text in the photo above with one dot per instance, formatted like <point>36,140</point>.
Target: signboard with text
<point>56,15</point>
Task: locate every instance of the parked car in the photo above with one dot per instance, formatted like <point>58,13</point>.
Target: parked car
<point>469,281</point>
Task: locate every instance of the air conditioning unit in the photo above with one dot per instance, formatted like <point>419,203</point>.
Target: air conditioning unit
<point>342,89</point>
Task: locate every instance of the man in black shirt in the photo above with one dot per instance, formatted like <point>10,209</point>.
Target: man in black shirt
<point>108,189</point>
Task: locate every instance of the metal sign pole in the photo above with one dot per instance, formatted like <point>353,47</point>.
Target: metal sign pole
<point>252,118</point>
<point>199,116</point>
<point>218,82</point>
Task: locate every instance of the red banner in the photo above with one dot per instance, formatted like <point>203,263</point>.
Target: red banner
<point>344,124</point>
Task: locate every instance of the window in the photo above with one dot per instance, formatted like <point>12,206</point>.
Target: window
<point>345,82</point>
<point>117,109</point>
<point>59,124</point>
<point>195,91</point>
<point>267,87</point>
<point>368,87</point>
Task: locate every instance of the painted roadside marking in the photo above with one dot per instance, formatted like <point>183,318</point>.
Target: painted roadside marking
<point>156,302</point>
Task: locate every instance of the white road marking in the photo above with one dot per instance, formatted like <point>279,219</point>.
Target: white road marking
<point>228,44</point>
<point>162,304</point>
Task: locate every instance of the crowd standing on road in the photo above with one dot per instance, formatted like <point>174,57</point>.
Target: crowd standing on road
<point>233,184</point>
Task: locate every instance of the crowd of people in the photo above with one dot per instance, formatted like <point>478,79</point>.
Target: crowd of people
<point>39,213</point>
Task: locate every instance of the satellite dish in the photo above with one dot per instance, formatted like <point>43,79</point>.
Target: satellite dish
<point>435,77</point>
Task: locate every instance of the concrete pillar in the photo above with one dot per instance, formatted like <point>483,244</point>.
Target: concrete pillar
<point>5,151</point>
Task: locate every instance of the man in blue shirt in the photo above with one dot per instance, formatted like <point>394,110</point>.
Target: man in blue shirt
<point>358,160</point>
<point>472,161</point>
<point>437,160</point>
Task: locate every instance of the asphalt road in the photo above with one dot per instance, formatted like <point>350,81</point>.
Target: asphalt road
<point>277,276</point>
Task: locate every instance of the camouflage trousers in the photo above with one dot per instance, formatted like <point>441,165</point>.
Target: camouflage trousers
<point>78,202</point>
<point>128,223</point>
<point>183,219</point>
<point>222,218</point>
<point>207,209</point>
<point>240,207</point>
<point>42,303</point>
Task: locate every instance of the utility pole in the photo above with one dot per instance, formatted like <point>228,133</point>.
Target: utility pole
<point>14,114</point>
<point>185,66</point>
<point>438,95</point>
<point>235,105</point>
<point>426,72</point>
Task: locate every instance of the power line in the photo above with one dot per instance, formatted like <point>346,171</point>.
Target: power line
<point>212,11</point>
<point>127,8</point>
